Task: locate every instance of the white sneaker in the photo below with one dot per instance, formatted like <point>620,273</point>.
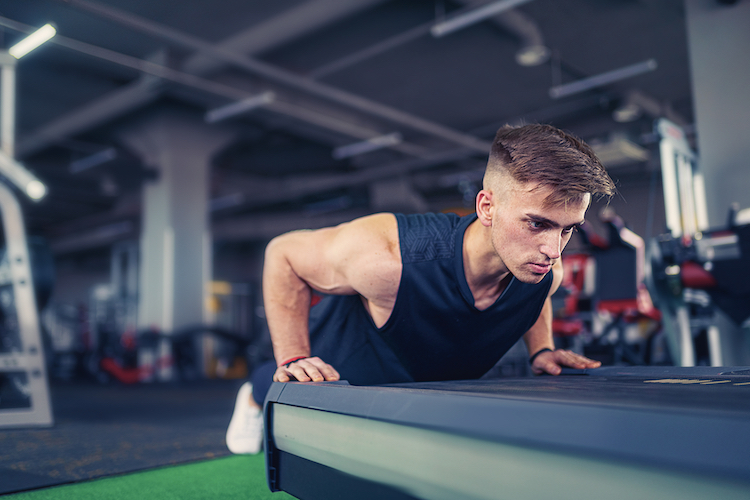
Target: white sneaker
<point>245,432</point>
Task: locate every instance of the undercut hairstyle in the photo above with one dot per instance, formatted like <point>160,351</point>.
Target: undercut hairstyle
<point>548,156</point>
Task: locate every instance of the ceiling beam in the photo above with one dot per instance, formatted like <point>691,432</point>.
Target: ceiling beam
<point>282,76</point>
<point>99,110</point>
<point>274,32</point>
<point>287,26</point>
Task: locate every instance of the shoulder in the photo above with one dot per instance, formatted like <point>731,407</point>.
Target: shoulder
<point>373,238</point>
<point>377,231</point>
<point>366,252</point>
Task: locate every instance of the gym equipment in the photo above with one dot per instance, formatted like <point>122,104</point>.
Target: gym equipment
<point>707,269</point>
<point>693,268</point>
<point>602,298</point>
<point>24,394</point>
<point>618,432</point>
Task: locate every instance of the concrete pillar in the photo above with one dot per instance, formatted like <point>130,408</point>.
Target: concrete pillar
<point>718,41</point>
<point>175,249</point>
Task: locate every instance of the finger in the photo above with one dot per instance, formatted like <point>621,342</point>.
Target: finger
<point>329,373</point>
<point>280,375</point>
<point>317,369</point>
<point>304,372</point>
<point>550,367</point>
<point>284,374</point>
<point>574,360</point>
<point>591,363</point>
<point>547,362</point>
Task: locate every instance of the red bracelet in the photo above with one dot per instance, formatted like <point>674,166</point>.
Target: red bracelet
<point>290,361</point>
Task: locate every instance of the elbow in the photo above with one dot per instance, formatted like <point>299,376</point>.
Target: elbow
<point>278,246</point>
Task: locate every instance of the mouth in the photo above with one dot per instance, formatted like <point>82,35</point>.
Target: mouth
<point>540,268</point>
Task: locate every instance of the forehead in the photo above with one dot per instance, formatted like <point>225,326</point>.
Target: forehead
<point>534,199</point>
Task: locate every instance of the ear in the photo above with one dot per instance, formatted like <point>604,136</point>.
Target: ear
<point>484,207</point>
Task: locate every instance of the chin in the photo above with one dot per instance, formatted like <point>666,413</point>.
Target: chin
<point>529,278</point>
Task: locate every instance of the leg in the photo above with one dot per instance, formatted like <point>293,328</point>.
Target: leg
<point>245,432</point>
<point>261,378</point>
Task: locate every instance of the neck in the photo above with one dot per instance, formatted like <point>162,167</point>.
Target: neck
<point>485,272</point>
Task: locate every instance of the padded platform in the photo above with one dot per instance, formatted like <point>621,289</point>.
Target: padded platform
<point>613,432</point>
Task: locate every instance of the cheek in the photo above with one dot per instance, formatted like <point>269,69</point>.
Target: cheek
<point>512,238</point>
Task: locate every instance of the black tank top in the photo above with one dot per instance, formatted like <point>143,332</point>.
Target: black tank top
<point>434,331</point>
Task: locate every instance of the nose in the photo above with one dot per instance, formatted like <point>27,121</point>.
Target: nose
<point>552,245</point>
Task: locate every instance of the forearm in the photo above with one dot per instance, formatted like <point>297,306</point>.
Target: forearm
<point>539,336</point>
<point>286,299</point>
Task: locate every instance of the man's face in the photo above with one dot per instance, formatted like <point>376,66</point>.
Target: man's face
<point>529,236</point>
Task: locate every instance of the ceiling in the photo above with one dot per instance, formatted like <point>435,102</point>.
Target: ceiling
<point>333,73</point>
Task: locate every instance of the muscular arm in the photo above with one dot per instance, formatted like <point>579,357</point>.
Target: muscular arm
<point>539,337</point>
<point>359,257</point>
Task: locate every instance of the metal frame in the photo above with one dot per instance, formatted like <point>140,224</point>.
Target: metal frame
<point>29,362</point>
<point>687,214</point>
<point>684,187</point>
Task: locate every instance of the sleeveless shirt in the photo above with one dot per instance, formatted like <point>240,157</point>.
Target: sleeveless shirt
<point>434,331</point>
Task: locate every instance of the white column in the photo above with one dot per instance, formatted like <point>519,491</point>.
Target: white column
<point>174,262</point>
<point>718,41</point>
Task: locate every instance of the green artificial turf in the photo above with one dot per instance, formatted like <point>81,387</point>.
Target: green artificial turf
<point>238,476</point>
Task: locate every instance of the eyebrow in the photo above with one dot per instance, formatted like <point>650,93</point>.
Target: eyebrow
<point>539,218</point>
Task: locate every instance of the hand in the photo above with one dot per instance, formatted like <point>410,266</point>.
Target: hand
<point>306,370</point>
<point>552,362</point>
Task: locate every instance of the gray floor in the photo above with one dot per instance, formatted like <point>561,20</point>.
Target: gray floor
<point>102,430</point>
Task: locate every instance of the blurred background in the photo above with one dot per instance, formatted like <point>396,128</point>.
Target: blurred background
<point>175,139</point>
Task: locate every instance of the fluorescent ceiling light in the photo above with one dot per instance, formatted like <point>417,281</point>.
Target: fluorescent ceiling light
<point>32,41</point>
<point>228,201</point>
<point>461,21</point>
<point>22,178</point>
<point>36,190</point>
<point>93,160</point>
<point>532,55</point>
<point>602,79</point>
<point>236,108</point>
<point>358,148</point>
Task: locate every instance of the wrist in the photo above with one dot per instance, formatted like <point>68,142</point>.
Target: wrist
<point>536,354</point>
<point>291,360</point>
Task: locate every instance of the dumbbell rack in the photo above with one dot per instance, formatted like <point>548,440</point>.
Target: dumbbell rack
<point>22,365</point>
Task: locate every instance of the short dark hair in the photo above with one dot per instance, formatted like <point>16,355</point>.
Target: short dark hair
<point>551,157</point>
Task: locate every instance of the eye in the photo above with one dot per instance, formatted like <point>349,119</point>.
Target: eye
<point>571,229</point>
<point>535,224</point>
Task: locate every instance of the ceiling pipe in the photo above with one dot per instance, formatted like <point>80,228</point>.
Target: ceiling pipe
<point>282,76</point>
<point>533,51</point>
<point>374,144</point>
<point>239,107</point>
<point>465,19</point>
<point>637,103</point>
<point>602,79</point>
<point>291,24</point>
<point>117,102</point>
<point>288,25</point>
<point>371,51</point>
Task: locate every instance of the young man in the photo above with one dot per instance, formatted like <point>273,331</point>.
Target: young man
<point>429,297</point>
